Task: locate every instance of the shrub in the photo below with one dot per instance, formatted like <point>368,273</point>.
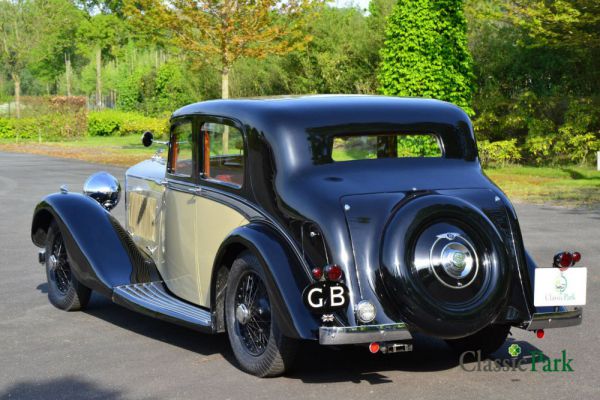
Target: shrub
<point>501,152</point>
<point>110,122</point>
<point>6,128</point>
<point>103,123</point>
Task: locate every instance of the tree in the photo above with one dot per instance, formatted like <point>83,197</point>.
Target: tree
<point>558,23</point>
<point>425,52</point>
<point>220,32</point>
<point>18,37</point>
<point>340,58</point>
<point>100,34</point>
<point>57,22</point>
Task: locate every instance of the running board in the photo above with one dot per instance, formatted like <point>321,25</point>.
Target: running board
<point>152,299</point>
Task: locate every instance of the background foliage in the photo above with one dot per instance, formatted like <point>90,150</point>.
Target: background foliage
<point>525,70</point>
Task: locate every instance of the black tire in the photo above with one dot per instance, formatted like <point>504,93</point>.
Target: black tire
<point>64,290</point>
<point>487,340</point>
<point>258,343</point>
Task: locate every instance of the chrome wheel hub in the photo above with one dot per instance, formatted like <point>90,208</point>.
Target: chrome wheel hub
<point>457,260</point>
<point>453,260</point>
<point>242,314</point>
<point>252,313</point>
<point>52,261</point>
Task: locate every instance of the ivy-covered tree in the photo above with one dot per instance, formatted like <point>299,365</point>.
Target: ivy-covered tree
<point>425,52</point>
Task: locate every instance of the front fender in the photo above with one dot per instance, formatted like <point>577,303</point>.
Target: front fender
<point>94,239</point>
<point>286,277</point>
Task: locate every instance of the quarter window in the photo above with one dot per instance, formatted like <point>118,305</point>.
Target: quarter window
<point>223,159</point>
<point>181,163</point>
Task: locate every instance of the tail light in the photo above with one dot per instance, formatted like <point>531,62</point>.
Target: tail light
<point>333,272</point>
<point>566,259</point>
<point>317,273</point>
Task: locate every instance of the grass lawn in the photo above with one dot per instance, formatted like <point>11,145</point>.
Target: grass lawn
<point>567,186</point>
<point>123,151</point>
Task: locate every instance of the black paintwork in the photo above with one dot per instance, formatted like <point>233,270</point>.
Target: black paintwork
<point>292,187</point>
<point>98,247</point>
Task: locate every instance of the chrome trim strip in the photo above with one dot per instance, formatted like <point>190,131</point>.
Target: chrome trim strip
<point>337,335</point>
<point>152,296</point>
<point>560,319</point>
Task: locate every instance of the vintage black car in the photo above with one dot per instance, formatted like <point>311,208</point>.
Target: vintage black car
<point>338,219</point>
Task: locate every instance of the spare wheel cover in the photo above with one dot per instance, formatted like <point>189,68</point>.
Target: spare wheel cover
<point>444,266</point>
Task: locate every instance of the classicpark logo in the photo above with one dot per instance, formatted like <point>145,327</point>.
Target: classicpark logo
<point>535,361</point>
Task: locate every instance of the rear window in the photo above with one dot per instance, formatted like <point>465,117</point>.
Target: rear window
<point>386,145</point>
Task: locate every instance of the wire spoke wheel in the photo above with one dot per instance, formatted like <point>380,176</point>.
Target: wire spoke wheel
<point>253,313</point>
<point>59,265</point>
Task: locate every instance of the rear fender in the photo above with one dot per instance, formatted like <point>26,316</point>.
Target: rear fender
<point>286,277</point>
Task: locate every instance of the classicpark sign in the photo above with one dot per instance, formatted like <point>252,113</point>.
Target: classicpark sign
<point>536,361</point>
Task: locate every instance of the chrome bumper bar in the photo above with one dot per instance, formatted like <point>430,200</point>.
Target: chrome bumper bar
<point>558,319</point>
<point>338,335</point>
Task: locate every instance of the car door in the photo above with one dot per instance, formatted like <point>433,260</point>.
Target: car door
<point>179,263</point>
<point>223,184</point>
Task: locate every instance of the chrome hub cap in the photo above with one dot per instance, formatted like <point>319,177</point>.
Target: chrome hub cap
<point>252,314</point>
<point>453,260</point>
<point>457,260</point>
<point>52,261</point>
<point>242,314</point>
<point>58,265</point>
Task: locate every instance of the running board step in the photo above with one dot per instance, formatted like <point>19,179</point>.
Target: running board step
<point>152,299</point>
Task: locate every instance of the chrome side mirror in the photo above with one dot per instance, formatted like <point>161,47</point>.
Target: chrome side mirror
<point>104,188</point>
<point>148,139</point>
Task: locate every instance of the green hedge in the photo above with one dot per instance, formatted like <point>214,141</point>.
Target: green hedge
<point>27,128</point>
<point>48,127</point>
<point>119,123</point>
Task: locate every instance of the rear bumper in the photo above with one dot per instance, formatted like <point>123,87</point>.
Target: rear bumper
<point>556,319</point>
<point>338,335</point>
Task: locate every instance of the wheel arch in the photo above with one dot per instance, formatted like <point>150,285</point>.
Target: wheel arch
<point>96,243</point>
<point>42,218</point>
<point>285,277</point>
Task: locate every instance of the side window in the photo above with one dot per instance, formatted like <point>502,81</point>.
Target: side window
<point>223,153</point>
<point>181,161</point>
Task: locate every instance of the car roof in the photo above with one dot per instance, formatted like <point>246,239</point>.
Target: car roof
<point>315,103</point>
<point>292,124</point>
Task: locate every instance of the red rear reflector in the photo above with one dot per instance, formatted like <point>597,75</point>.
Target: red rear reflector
<point>333,272</point>
<point>576,257</point>
<point>540,333</point>
<point>374,347</point>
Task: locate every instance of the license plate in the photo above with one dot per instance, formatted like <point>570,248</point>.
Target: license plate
<point>325,297</point>
<point>554,287</point>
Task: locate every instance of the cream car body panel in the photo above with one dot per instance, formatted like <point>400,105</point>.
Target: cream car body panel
<point>178,268</point>
<point>214,222</point>
<point>184,248</point>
